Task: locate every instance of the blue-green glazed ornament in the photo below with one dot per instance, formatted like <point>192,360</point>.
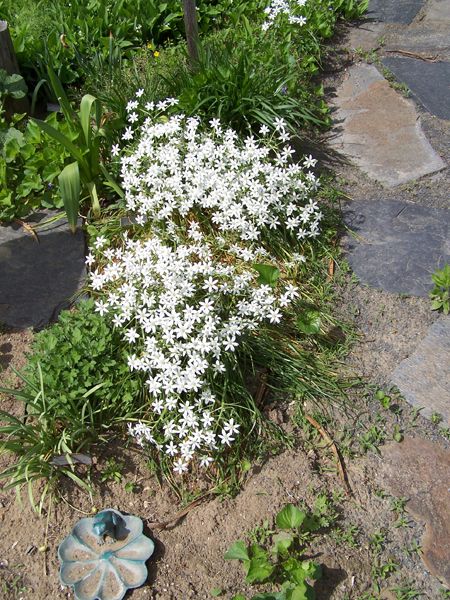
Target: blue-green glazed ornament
<point>105,556</point>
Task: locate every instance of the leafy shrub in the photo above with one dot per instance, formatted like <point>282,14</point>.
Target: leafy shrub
<point>283,566</point>
<point>79,352</point>
<point>46,441</point>
<point>86,26</point>
<point>248,78</point>
<point>30,162</point>
<point>440,294</point>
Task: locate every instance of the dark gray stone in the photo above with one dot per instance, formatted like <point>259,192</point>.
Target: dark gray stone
<point>429,82</point>
<point>39,278</point>
<point>424,377</point>
<point>394,11</point>
<point>396,246</point>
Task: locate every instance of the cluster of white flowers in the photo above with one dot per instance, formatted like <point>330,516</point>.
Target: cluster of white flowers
<point>177,169</point>
<point>284,7</point>
<point>185,293</point>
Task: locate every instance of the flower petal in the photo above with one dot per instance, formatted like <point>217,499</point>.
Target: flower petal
<point>91,586</point>
<point>141,548</point>
<point>132,573</point>
<point>73,549</point>
<point>71,573</point>
<point>112,587</point>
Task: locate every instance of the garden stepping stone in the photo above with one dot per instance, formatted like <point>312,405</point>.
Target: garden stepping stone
<point>419,470</point>
<point>424,377</point>
<point>438,12</point>
<point>38,277</point>
<point>394,11</point>
<point>379,129</point>
<point>396,246</point>
<point>428,81</point>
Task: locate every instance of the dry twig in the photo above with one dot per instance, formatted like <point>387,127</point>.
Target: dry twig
<point>332,445</point>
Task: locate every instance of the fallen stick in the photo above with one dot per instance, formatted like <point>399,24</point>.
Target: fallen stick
<point>434,58</point>
<point>333,446</point>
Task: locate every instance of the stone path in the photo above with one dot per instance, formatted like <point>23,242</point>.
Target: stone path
<point>419,470</point>
<point>396,246</point>
<point>38,278</point>
<point>399,223</point>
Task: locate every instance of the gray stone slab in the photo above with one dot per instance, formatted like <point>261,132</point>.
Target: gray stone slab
<point>365,36</point>
<point>38,278</point>
<point>437,11</point>
<point>380,130</point>
<point>428,81</point>
<point>396,246</point>
<point>424,377</point>
<point>394,11</point>
<point>430,41</point>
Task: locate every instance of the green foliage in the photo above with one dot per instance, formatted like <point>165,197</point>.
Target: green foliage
<point>440,294</point>
<point>112,471</point>
<point>12,86</point>
<point>283,566</point>
<point>88,174</point>
<point>79,352</point>
<point>87,25</point>
<point>30,162</point>
<point>48,430</point>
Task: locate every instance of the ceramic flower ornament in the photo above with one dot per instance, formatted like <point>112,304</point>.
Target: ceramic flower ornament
<point>104,556</point>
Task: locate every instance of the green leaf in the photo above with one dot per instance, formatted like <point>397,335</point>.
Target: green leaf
<point>87,103</point>
<point>238,551</point>
<point>290,517</point>
<point>70,188</point>
<point>268,275</point>
<point>309,322</point>
<point>238,597</point>
<point>259,570</point>
<point>302,591</point>
<point>62,139</point>
<point>282,542</point>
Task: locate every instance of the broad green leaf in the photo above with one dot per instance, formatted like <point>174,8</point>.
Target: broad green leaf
<point>216,592</point>
<point>312,569</point>
<point>74,151</point>
<point>63,100</point>
<point>309,322</point>
<point>259,570</point>
<point>70,188</point>
<point>238,551</point>
<point>290,517</point>
<point>302,591</point>
<point>282,542</point>
<point>268,275</point>
<point>87,103</point>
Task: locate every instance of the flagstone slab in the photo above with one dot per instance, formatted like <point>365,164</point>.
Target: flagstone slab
<point>39,278</point>
<point>424,377</point>
<point>365,36</point>
<point>419,470</point>
<point>394,11</point>
<point>429,82</point>
<point>437,11</point>
<point>396,246</point>
<point>379,130</point>
<point>429,42</point>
